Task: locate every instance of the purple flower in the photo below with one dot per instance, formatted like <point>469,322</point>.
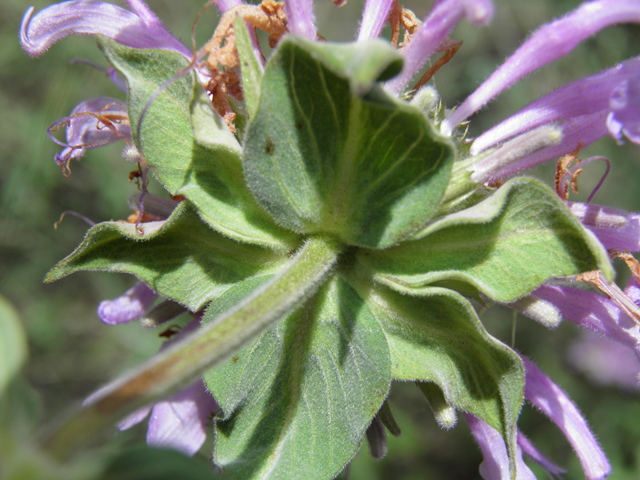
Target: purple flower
<point>546,45</point>
<point>92,124</point>
<point>300,18</point>
<point>433,31</point>
<point>593,311</point>
<point>374,17</point>
<point>609,91</point>
<point>555,404</point>
<point>531,451</point>
<point>624,103</point>
<point>129,306</point>
<point>495,465</point>
<point>616,229</point>
<point>182,421</point>
<point>139,28</point>
<point>545,395</point>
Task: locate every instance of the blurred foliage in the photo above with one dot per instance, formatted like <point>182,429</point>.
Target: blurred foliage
<point>72,353</point>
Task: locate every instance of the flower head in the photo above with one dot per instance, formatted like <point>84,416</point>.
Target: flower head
<point>355,224</point>
<point>138,28</point>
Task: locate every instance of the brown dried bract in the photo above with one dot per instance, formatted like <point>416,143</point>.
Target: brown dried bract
<point>566,178</point>
<point>223,58</point>
<point>632,263</point>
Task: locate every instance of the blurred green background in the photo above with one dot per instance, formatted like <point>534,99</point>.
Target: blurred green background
<point>71,353</point>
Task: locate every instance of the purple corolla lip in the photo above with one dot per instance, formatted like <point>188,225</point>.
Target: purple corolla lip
<point>495,465</point>
<point>139,28</point>
<point>549,43</point>
<point>92,123</point>
<point>614,90</point>
<point>129,306</point>
<point>555,404</point>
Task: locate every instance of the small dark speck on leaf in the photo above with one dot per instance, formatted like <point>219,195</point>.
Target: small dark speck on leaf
<point>234,359</point>
<point>269,147</point>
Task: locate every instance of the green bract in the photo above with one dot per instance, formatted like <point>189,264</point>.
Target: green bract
<point>313,241</point>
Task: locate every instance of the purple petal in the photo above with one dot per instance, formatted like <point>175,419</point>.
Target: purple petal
<point>133,419</point>
<point>495,465</point>
<point>531,451</point>
<point>127,307</point>
<point>374,16</point>
<point>117,79</point>
<point>593,311</point>
<point>145,14</point>
<point>624,103</point>
<point>604,361</point>
<point>93,123</point>
<point>182,421</point>
<point>586,96</point>
<point>300,18</point>
<point>86,17</point>
<point>509,155</point>
<point>433,31</point>
<point>555,404</point>
<point>549,43</point>
<point>225,5</point>
<point>633,290</point>
<point>616,229</point>
<point>577,131</point>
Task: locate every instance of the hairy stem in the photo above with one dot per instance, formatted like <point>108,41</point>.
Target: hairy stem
<point>181,364</point>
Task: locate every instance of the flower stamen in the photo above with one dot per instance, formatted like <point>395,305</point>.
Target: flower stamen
<point>453,48</point>
<point>562,183</point>
<point>405,17</point>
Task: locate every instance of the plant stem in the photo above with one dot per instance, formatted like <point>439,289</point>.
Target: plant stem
<point>186,361</point>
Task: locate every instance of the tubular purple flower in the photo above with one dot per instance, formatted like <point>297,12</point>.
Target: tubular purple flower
<point>137,29</point>
<point>300,18</point>
<point>93,123</point>
<point>578,131</point>
<point>182,421</point>
<point>549,43</point>
<point>433,31</point>
<point>555,404</point>
<point>530,450</point>
<point>510,154</point>
<point>616,229</point>
<point>593,311</point>
<point>117,79</point>
<point>374,16</point>
<point>127,307</point>
<point>624,103</point>
<point>633,290</point>
<point>495,465</point>
<point>586,96</point>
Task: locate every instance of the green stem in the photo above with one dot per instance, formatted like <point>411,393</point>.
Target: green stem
<point>186,361</point>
